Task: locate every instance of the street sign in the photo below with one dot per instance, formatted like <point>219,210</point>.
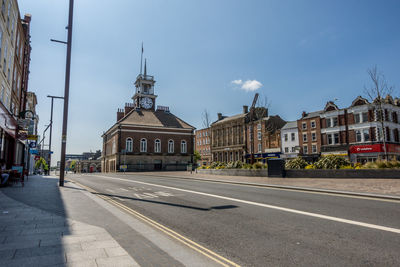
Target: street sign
<point>123,167</point>
<point>51,152</point>
<point>37,157</point>
<point>33,151</point>
<point>32,144</point>
<point>32,137</point>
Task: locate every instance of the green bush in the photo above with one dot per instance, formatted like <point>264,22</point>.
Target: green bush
<point>331,162</point>
<point>234,165</point>
<point>247,166</point>
<point>257,166</point>
<point>297,163</point>
<point>347,167</point>
<point>310,167</point>
<point>382,164</point>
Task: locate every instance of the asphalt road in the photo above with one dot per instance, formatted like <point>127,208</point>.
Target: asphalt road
<point>256,226</point>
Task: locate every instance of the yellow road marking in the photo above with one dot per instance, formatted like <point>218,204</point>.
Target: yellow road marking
<point>193,245</point>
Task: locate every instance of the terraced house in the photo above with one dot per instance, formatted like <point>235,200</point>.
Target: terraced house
<point>14,72</point>
<point>354,132</point>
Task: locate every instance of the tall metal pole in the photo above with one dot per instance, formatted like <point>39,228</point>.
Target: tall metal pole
<point>51,124</point>
<point>51,131</point>
<point>66,93</point>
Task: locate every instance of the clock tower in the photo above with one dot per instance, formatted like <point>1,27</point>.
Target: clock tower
<point>144,97</point>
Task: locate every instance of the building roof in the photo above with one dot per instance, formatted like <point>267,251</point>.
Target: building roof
<point>234,117</point>
<point>157,118</point>
<point>151,118</point>
<point>290,124</point>
<point>313,114</point>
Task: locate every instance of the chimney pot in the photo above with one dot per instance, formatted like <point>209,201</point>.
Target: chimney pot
<point>219,116</point>
<point>245,109</point>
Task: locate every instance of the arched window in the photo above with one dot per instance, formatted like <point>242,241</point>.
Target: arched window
<point>170,146</point>
<point>157,146</point>
<point>129,144</point>
<point>143,145</point>
<point>183,147</point>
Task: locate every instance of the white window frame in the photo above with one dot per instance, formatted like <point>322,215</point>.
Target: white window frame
<point>313,149</point>
<point>304,125</point>
<point>170,146</point>
<point>259,148</point>
<point>183,147</point>
<point>313,124</point>
<point>157,146</point>
<point>305,137</point>
<point>259,135</point>
<point>293,136</point>
<point>143,145</point>
<point>129,144</point>
<point>305,149</point>
<point>314,136</point>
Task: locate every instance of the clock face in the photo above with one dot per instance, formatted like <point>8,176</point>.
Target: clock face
<point>146,102</point>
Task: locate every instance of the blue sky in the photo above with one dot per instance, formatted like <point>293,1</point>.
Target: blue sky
<point>303,53</point>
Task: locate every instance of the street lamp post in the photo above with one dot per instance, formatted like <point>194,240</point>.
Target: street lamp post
<point>66,91</point>
<point>51,124</point>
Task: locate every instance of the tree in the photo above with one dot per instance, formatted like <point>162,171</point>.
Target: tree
<point>262,106</point>
<point>72,165</point>
<point>376,93</point>
<point>41,164</point>
<point>205,116</point>
<point>196,156</point>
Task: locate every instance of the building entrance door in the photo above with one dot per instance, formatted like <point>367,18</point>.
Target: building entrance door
<point>157,165</point>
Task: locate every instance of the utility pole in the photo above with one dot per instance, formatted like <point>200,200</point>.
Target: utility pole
<point>66,92</point>
<point>51,125</point>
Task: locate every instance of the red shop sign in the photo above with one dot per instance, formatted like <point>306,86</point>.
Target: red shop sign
<point>366,149</point>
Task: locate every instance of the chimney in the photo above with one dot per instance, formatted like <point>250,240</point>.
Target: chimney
<point>219,116</point>
<point>27,18</point>
<point>303,114</point>
<point>245,109</point>
<point>128,107</point>
<point>120,114</point>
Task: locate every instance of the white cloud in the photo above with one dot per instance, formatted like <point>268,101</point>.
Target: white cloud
<point>238,82</point>
<point>251,85</point>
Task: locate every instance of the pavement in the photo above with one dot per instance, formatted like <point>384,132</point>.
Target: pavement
<point>379,187</point>
<point>31,236</point>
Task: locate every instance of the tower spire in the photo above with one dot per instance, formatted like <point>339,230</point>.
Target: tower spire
<point>145,69</point>
<point>141,60</point>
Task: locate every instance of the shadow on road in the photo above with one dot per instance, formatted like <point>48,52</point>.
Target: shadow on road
<point>169,204</point>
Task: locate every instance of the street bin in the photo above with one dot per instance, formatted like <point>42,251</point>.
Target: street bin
<point>276,168</point>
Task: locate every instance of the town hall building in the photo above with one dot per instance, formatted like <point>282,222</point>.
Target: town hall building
<point>146,136</point>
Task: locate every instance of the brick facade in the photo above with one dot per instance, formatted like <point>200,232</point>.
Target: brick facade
<point>145,137</point>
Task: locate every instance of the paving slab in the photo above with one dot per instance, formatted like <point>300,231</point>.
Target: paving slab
<point>32,237</point>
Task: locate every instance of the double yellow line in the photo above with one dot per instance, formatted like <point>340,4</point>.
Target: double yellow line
<point>193,245</point>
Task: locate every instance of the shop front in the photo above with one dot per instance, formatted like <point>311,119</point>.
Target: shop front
<point>8,131</point>
<point>366,153</point>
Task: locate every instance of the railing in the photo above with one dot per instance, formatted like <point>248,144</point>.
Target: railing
<point>145,77</point>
